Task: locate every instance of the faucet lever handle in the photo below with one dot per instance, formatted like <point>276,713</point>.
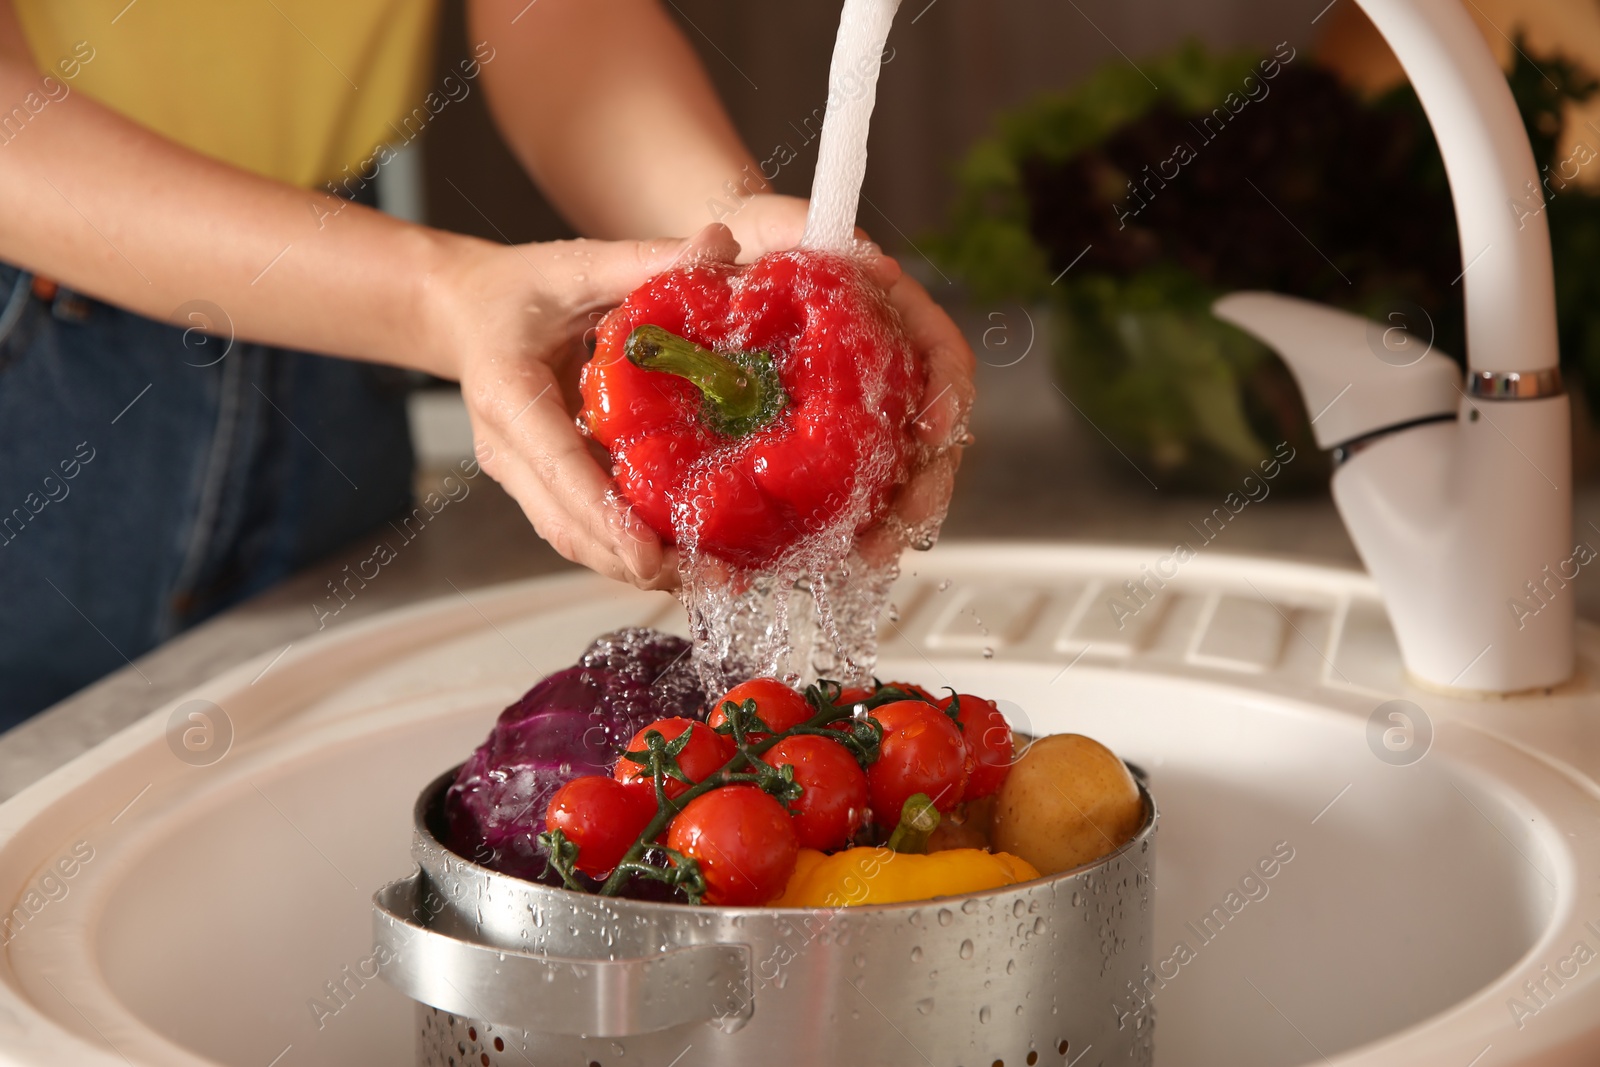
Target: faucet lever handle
<point>1356,376</point>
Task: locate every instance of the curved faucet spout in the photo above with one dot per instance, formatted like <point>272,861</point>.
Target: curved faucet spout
<point>1465,522</point>
<point>1505,239</point>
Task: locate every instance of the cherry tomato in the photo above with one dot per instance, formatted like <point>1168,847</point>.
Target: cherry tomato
<point>912,687</point>
<point>602,817</point>
<point>853,695</point>
<point>922,753</point>
<point>743,840</point>
<point>779,706</point>
<point>857,694</point>
<point>989,749</point>
<point>834,804</point>
<point>703,756</point>
<point>848,698</point>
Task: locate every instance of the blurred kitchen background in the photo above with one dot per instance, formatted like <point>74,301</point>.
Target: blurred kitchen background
<point>1110,407</point>
<point>955,72</point>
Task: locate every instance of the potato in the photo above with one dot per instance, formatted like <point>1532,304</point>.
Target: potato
<point>1068,801</point>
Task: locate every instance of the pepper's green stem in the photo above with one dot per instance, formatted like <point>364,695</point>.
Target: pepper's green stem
<point>741,390</point>
<point>918,820</point>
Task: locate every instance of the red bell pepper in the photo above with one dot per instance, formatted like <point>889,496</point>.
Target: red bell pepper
<point>746,408</point>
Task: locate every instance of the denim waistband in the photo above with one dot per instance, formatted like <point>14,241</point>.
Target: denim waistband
<point>14,291</point>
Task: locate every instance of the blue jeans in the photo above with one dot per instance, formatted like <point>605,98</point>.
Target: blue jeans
<point>151,476</point>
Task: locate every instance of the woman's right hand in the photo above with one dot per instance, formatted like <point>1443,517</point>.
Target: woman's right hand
<point>511,322</point>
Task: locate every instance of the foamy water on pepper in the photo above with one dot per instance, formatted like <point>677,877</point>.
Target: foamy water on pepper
<point>814,611</point>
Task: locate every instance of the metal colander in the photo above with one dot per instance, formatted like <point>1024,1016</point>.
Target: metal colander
<point>515,973</point>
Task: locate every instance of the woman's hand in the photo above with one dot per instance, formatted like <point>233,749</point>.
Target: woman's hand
<point>946,406</point>
<point>513,321</point>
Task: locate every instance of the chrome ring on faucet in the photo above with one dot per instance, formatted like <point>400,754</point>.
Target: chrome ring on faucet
<point>1515,385</point>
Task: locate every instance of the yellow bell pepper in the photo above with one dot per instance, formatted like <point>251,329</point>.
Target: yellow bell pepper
<point>882,876</point>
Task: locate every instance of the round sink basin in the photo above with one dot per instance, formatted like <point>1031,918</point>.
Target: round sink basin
<point>1327,889</point>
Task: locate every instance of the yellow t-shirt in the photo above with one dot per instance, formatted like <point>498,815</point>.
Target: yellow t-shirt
<point>295,90</point>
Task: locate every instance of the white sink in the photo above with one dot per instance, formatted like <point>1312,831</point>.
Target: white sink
<point>1411,901</point>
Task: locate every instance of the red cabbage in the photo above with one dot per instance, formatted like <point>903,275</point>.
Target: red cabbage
<point>572,723</point>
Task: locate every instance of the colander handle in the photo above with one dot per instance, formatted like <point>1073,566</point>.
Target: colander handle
<point>552,994</point>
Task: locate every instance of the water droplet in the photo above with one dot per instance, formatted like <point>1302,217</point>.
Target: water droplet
<point>1011,966</point>
<point>1039,925</point>
<point>944,585</point>
<point>966,949</point>
<point>988,653</point>
<point>984,1013</point>
<point>894,612</point>
<point>1018,908</point>
<point>969,907</point>
<point>860,960</point>
<point>946,917</point>
<point>916,954</point>
<point>924,1006</point>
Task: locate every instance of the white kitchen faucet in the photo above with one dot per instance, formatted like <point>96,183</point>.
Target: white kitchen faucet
<point>1458,498</point>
